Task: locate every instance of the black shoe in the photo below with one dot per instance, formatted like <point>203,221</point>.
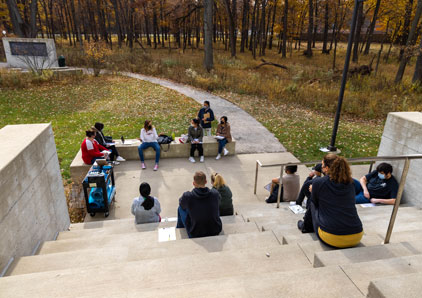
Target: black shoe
<point>300,225</point>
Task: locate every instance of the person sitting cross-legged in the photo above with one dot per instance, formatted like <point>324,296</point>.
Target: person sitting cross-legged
<point>198,210</point>
<point>332,214</point>
<point>379,186</point>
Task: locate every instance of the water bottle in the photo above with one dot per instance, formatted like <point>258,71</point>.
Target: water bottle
<point>173,136</point>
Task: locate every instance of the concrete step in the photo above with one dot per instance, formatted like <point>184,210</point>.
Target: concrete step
<point>140,241</point>
<point>362,273</point>
<point>149,227</point>
<point>311,248</point>
<point>129,280</point>
<point>228,228</point>
<point>407,285</point>
<point>365,254</point>
<point>273,258</point>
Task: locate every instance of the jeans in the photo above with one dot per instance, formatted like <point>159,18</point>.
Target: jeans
<point>221,144</point>
<point>194,147</point>
<point>181,219</point>
<point>207,131</point>
<point>360,198</point>
<point>146,145</point>
<point>304,191</point>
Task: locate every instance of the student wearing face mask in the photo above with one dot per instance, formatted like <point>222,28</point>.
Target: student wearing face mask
<point>149,139</point>
<point>223,132</point>
<point>379,186</point>
<point>206,116</point>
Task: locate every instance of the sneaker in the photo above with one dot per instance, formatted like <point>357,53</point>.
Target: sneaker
<point>143,166</point>
<point>119,158</point>
<point>226,151</point>
<point>191,159</point>
<point>156,167</point>
<point>218,157</point>
<point>300,224</point>
<point>201,159</point>
<point>116,163</point>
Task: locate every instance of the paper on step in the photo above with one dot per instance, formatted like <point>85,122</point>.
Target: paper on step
<point>367,205</point>
<point>296,209</point>
<point>268,186</point>
<point>166,234</point>
<point>168,219</point>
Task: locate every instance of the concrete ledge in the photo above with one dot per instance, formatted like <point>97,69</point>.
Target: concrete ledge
<point>78,168</point>
<point>406,285</point>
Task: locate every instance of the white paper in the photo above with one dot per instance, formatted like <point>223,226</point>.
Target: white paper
<point>169,219</point>
<point>111,144</point>
<point>166,234</point>
<point>367,205</point>
<point>296,209</point>
<point>128,142</point>
<point>268,186</point>
<point>219,137</point>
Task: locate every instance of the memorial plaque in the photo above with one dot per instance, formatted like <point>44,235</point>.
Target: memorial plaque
<point>28,48</point>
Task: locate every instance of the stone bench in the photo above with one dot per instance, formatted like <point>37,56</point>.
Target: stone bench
<point>78,168</point>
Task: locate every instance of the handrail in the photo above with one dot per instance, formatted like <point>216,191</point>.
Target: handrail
<point>371,160</point>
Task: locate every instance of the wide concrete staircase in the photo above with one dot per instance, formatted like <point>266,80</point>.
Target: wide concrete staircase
<point>260,253</point>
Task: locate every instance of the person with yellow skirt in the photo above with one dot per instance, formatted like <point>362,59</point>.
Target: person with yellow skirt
<point>332,213</point>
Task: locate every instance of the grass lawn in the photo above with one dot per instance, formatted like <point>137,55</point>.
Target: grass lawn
<point>72,106</point>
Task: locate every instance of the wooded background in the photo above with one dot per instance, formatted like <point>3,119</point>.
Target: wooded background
<point>241,25</point>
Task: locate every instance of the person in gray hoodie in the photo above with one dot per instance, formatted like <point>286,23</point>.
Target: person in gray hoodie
<point>146,209</point>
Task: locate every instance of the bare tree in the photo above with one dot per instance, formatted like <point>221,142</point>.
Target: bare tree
<point>208,26</point>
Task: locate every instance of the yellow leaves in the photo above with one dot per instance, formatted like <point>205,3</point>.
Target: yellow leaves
<point>97,51</point>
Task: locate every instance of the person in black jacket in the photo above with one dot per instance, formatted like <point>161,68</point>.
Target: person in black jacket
<point>198,210</point>
<point>304,191</point>
<point>206,116</point>
<point>332,214</point>
<point>103,141</point>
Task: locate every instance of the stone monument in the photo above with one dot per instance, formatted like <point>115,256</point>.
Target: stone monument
<point>30,53</point>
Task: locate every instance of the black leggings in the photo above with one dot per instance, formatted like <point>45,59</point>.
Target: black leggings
<point>198,147</point>
<point>113,153</point>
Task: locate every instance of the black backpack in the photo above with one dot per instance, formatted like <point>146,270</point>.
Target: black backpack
<point>164,139</point>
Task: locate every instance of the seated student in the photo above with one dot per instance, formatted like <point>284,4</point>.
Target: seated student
<point>223,131</point>
<point>102,140</point>
<point>149,139</point>
<point>91,150</point>
<point>198,210</point>
<point>379,186</point>
<point>332,214</point>
<point>195,135</point>
<point>290,184</point>
<point>146,208</point>
<point>304,191</point>
<point>226,202</point>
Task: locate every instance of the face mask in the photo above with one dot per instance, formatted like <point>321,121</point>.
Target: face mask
<point>381,176</point>
<point>149,127</point>
<point>222,122</point>
<point>205,107</point>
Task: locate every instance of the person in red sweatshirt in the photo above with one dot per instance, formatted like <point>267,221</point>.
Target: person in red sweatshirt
<point>91,150</point>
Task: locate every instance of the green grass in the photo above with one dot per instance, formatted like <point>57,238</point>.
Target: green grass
<point>304,131</point>
<point>122,104</point>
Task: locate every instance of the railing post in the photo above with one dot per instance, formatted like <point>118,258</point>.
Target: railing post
<point>370,167</point>
<point>279,187</point>
<point>256,178</point>
<point>398,199</point>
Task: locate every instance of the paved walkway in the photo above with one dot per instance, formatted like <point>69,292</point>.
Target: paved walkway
<point>251,136</point>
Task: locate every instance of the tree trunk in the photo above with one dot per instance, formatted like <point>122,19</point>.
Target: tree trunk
<point>285,29</point>
<point>381,48</point>
<point>406,26</point>
<point>417,75</point>
<point>315,24</point>
<point>118,23</point>
<point>15,16</point>
<point>208,26</point>
<point>270,45</point>
<point>231,13</point>
<point>410,41</point>
<point>325,37</point>
<point>372,27</point>
<point>308,52</point>
<point>253,27</point>
<point>245,25</point>
<point>359,25</point>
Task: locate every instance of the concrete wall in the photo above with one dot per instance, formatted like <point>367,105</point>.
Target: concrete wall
<point>32,201</point>
<point>403,136</point>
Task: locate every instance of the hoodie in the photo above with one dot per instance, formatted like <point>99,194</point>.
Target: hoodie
<point>203,217</point>
<point>336,206</point>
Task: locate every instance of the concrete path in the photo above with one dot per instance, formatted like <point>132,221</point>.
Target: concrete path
<point>251,136</point>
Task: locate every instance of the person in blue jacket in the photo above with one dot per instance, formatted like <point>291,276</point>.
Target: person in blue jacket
<point>206,116</point>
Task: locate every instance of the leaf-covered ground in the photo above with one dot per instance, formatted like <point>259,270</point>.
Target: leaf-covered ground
<point>303,131</point>
<point>122,104</point>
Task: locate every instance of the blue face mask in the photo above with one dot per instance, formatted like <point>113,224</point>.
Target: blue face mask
<point>381,176</point>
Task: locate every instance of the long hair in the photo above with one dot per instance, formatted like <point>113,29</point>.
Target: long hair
<point>217,180</point>
<point>340,170</point>
<point>147,125</point>
<point>145,191</point>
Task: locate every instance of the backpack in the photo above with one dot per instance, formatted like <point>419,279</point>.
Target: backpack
<point>164,139</point>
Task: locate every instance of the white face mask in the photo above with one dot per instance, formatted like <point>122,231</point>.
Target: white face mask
<point>381,176</point>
